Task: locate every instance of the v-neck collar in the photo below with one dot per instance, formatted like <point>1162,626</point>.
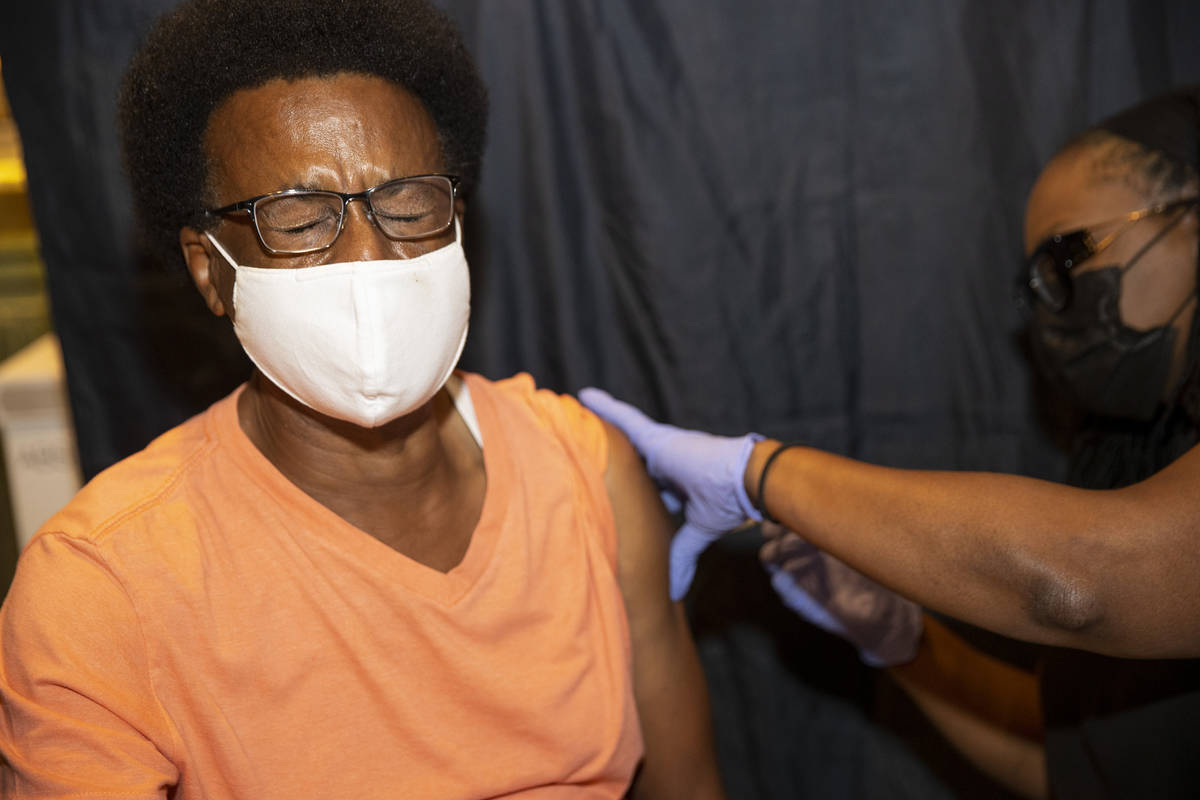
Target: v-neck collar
<point>445,588</point>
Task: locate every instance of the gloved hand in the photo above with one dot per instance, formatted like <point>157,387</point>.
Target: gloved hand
<point>885,627</point>
<point>699,472</point>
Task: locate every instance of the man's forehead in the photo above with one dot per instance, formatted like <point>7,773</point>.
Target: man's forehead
<point>299,133</point>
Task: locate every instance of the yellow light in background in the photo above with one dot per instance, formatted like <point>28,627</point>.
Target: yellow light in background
<point>12,174</point>
<point>23,308</point>
<point>30,469</point>
<point>12,166</point>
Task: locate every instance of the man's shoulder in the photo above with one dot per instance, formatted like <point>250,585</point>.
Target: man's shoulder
<point>137,485</point>
<point>515,388</point>
<point>569,436</point>
<point>562,411</point>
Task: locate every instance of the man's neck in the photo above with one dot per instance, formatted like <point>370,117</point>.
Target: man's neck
<point>411,478</point>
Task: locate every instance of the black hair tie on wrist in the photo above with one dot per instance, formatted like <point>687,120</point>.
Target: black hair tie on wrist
<point>762,479</point>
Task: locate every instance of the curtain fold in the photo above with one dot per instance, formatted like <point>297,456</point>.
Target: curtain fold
<point>801,217</point>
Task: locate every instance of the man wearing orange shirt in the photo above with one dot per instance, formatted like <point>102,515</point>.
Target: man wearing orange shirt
<point>361,573</point>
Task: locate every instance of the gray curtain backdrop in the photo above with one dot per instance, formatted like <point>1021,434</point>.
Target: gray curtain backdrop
<point>796,216</point>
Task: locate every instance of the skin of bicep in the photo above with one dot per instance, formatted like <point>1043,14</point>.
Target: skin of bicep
<point>1156,607</point>
<point>669,685</point>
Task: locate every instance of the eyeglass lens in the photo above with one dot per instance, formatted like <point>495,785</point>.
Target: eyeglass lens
<point>403,209</point>
<point>1049,267</point>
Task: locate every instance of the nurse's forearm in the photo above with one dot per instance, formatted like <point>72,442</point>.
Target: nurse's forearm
<point>993,690</point>
<point>1015,555</point>
<point>1017,763</point>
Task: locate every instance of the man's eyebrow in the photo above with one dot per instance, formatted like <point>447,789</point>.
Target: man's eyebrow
<point>303,186</point>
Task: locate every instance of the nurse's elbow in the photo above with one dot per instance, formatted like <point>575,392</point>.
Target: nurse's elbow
<point>1064,602</point>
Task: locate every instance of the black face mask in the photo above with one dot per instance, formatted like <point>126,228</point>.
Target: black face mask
<point>1105,366</point>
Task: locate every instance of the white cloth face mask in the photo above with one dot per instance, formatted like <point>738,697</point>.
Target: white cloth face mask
<point>361,341</point>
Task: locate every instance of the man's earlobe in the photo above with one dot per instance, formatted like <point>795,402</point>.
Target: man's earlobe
<point>203,266</point>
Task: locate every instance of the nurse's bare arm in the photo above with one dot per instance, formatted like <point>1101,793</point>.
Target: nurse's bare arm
<point>1109,571</point>
<point>669,685</point>
<point>989,710</point>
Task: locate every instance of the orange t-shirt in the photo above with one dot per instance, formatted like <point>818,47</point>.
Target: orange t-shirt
<point>193,619</point>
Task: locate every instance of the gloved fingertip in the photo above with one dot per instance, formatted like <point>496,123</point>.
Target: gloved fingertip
<point>598,401</point>
<point>591,394</point>
<point>689,542</point>
<point>891,654</point>
<point>798,599</point>
<point>628,418</point>
<point>871,660</point>
<point>766,553</point>
<point>681,581</point>
<point>772,531</point>
<point>672,501</point>
<point>781,579</point>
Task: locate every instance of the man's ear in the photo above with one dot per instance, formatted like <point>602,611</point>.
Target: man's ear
<point>205,267</point>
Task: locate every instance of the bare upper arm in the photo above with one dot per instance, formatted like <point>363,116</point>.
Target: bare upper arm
<point>643,528</point>
<point>1149,602</point>
<point>1115,571</point>
<point>669,685</point>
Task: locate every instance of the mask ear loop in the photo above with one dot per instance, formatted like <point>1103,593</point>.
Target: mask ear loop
<point>1187,393</point>
<point>1176,391</point>
<point>224,254</point>
<point>1155,239</point>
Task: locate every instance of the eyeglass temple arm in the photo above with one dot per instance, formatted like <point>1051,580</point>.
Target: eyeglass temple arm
<point>1131,218</point>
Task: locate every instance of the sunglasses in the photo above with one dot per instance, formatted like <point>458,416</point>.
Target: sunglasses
<point>1047,272</point>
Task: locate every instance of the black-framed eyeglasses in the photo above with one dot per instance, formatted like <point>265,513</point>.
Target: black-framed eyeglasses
<point>299,221</point>
<point>1047,270</point>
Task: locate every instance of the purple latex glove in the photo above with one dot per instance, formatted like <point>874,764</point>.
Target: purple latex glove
<point>697,471</point>
<point>885,627</point>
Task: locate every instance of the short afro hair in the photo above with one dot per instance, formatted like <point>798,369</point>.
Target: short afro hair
<point>198,55</point>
